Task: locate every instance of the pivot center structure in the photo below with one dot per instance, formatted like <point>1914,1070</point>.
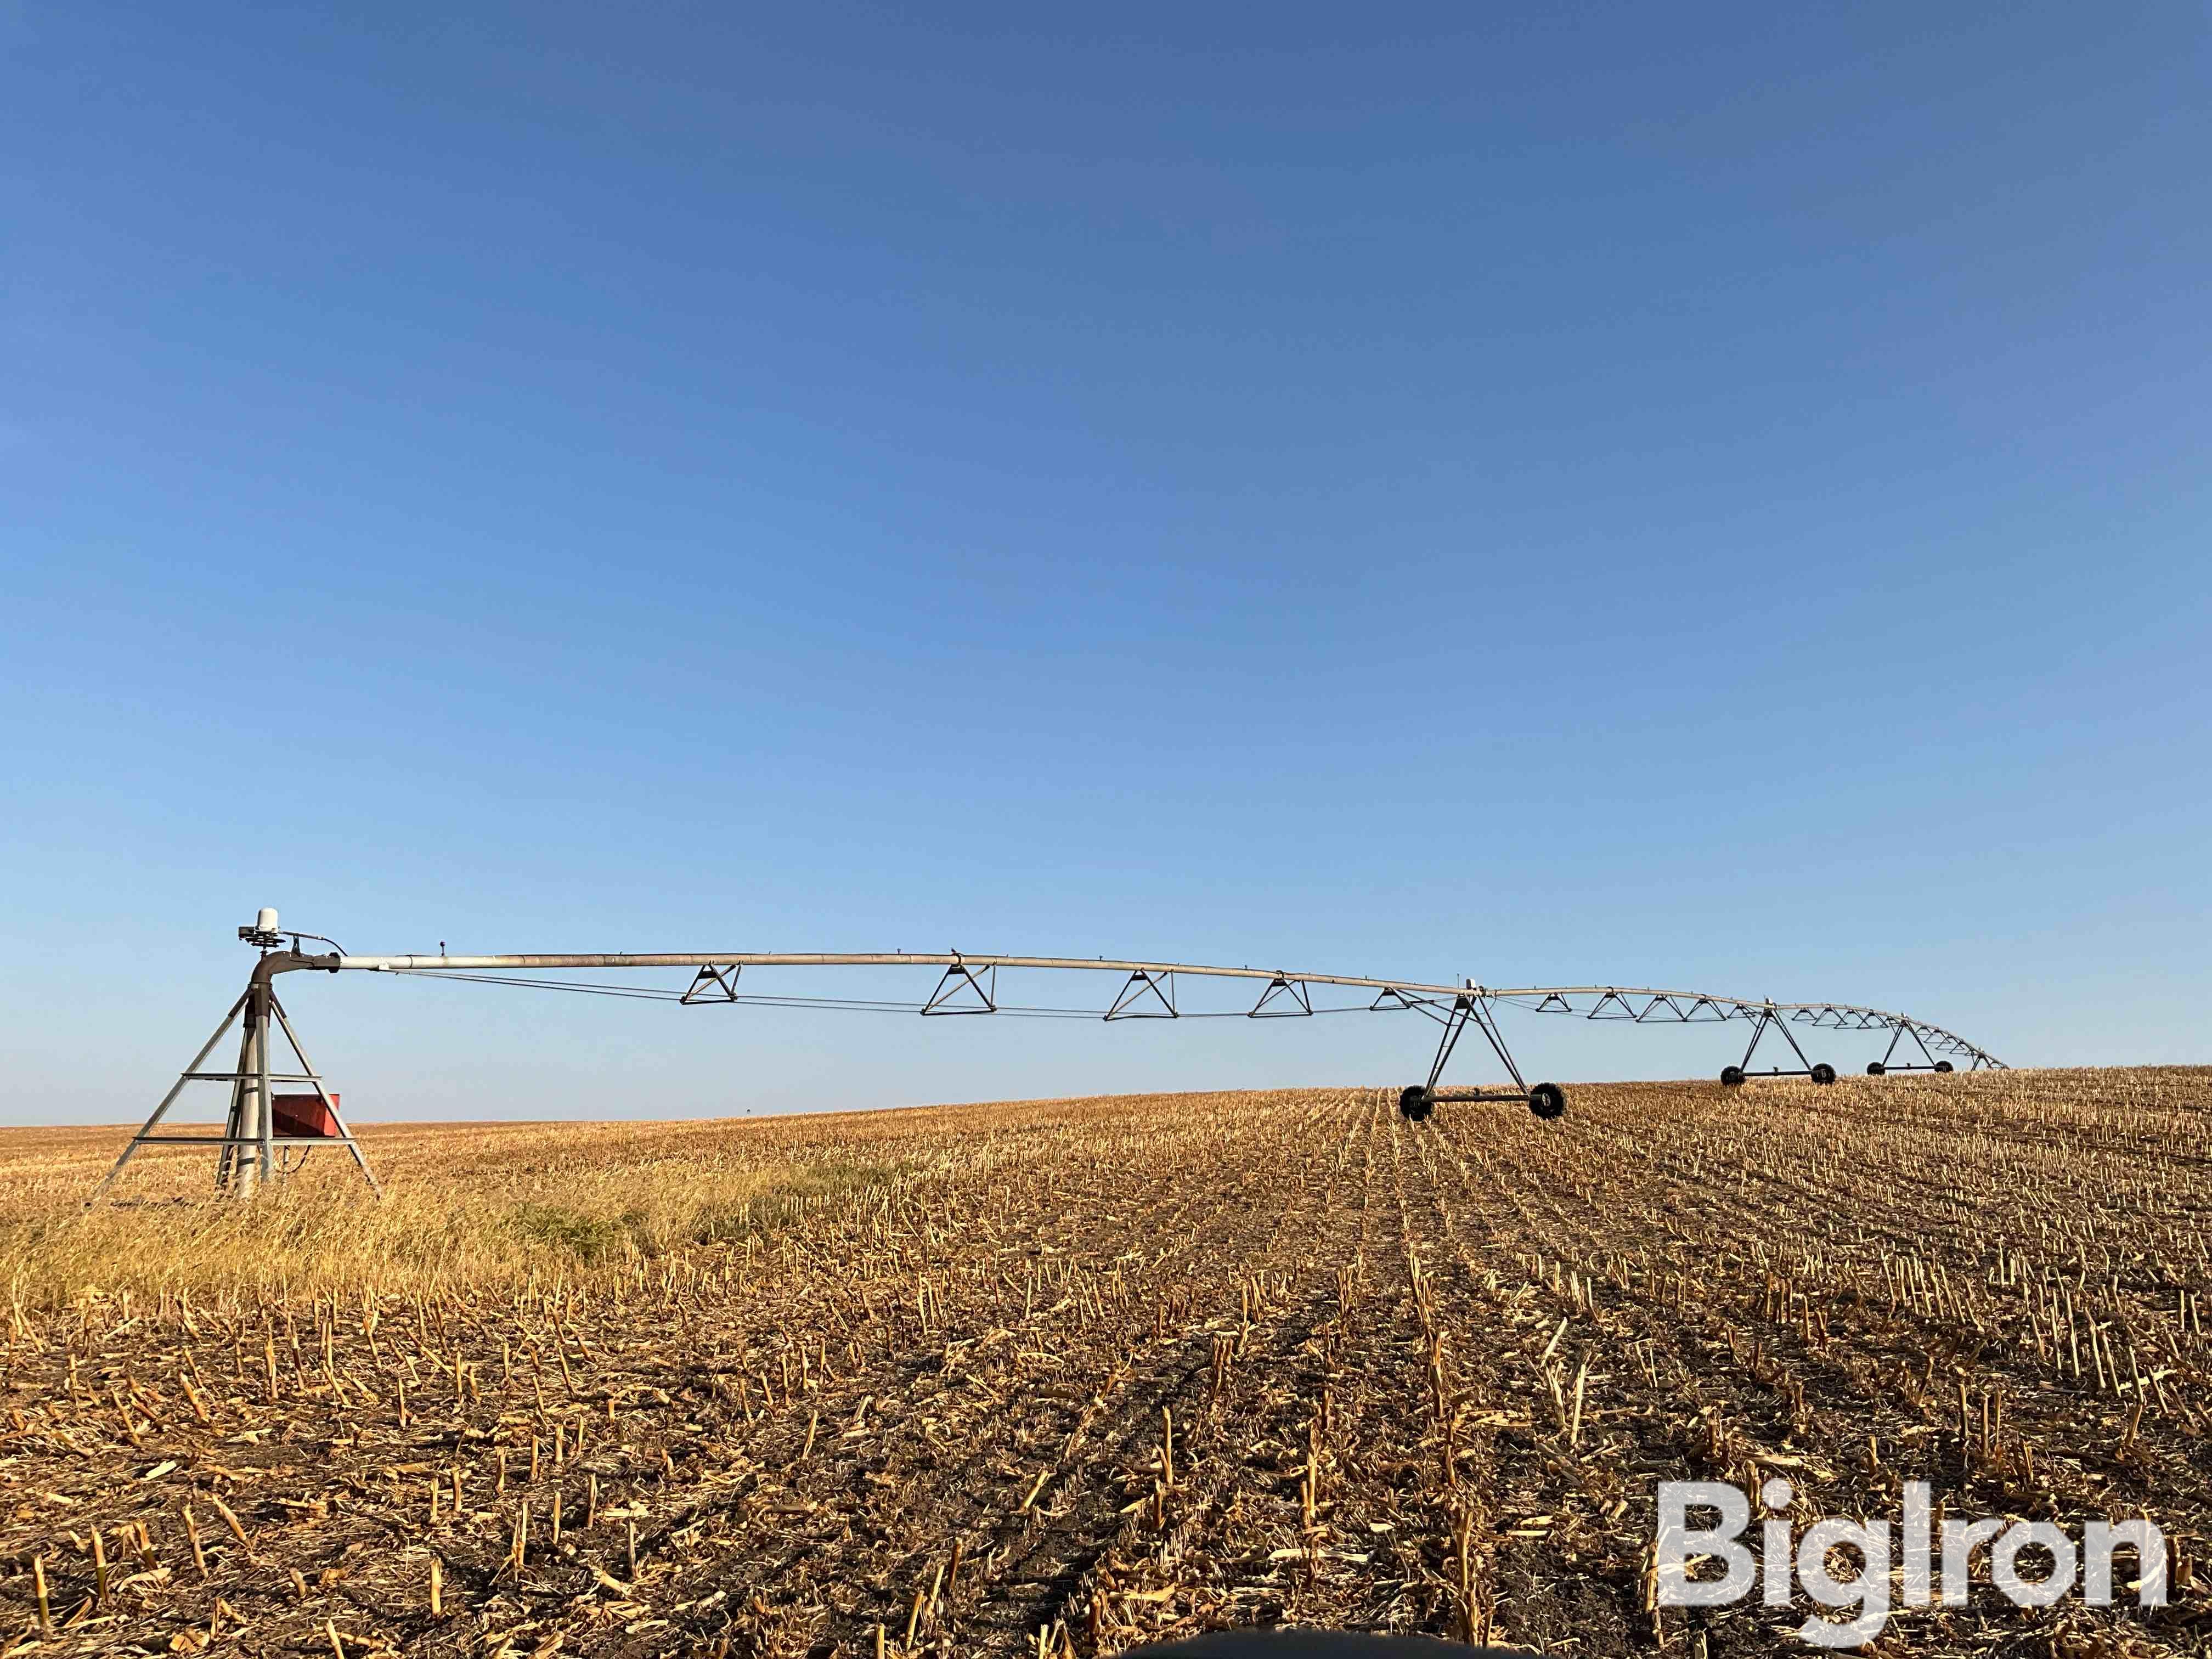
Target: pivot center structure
<point>265,1133</point>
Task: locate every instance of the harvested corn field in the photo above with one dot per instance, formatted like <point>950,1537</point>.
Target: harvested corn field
<point>1070,1376</point>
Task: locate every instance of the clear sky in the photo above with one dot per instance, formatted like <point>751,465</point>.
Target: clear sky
<point>1709,496</point>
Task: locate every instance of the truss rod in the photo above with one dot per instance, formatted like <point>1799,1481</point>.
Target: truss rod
<point>1660,1004</point>
<point>854,959</point>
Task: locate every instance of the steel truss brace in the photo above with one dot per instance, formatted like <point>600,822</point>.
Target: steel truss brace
<point>1677,1008</point>
<point>1148,995</point>
<point>1644,1005</point>
<point>713,984</point>
<point>1837,1019</point>
<point>1639,1004</point>
<point>1291,999</point>
<point>963,990</point>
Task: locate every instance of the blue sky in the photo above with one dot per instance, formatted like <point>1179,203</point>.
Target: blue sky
<point>1711,498</point>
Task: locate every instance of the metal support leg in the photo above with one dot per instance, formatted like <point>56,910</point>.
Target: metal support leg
<point>167,1101</point>
<point>265,1153</point>
<point>1455,1024</point>
<point>233,1171</point>
<point>250,1154</point>
<point>330,1103</point>
<point>1758,1031</point>
<point>1733,1075</point>
<point>1790,1037</point>
<point>1467,1010</point>
<point>1902,1030</point>
<point>1546,1100</point>
<point>1488,1027</point>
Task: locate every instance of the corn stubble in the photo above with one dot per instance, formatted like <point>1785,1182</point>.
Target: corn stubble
<point>1064,1378</point>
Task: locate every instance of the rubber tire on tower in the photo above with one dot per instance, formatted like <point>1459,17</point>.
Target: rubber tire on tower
<point>1415,1104</point>
<point>1875,1068</point>
<point>1942,1065</point>
<point>1731,1076</point>
<point>1824,1073</point>
<point>1549,1101</point>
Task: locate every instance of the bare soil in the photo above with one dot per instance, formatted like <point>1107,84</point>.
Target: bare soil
<point>1084,1375</point>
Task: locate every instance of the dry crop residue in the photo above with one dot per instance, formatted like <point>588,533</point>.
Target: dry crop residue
<point>1073,1376</point>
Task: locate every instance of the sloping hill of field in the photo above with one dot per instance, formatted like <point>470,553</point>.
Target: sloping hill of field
<point>1073,1376</point>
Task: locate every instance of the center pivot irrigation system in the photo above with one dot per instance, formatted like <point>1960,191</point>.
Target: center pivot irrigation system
<point>265,1130</point>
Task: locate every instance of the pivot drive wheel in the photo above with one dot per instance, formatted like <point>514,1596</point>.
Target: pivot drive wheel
<point>1824,1073</point>
<point>1731,1076</point>
<point>1549,1101</point>
<point>1942,1065</point>
<point>1875,1068</point>
<point>1416,1102</point>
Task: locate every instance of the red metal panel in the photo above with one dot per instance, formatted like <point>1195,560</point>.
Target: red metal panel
<point>304,1114</point>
